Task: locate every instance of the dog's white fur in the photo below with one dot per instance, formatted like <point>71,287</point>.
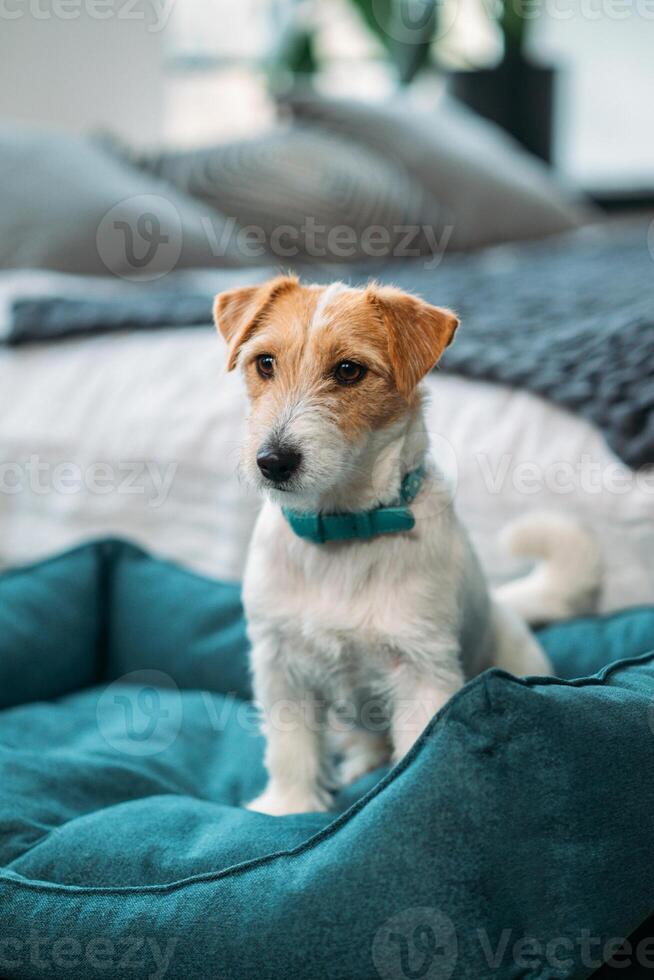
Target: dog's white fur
<point>369,639</point>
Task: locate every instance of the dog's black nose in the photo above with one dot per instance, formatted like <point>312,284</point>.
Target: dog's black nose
<point>278,465</point>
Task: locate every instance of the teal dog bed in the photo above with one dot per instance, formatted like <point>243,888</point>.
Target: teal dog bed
<point>514,841</point>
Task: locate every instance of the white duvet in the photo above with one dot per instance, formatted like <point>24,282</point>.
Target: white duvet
<point>137,435</point>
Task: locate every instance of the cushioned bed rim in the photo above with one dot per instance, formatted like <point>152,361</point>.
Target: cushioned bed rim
<point>208,877</point>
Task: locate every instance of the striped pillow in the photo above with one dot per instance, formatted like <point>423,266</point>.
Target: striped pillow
<point>308,195</point>
<point>493,190</point>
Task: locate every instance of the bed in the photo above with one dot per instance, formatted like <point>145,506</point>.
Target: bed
<point>544,402</point>
<point>128,746</point>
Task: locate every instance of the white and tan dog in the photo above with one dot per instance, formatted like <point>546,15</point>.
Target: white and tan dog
<point>369,632</point>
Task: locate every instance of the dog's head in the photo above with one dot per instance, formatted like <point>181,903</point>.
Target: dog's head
<point>329,371</point>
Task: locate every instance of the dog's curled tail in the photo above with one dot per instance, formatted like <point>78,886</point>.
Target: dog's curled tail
<point>567,576</point>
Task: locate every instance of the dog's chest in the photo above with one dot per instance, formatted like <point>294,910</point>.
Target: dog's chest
<point>340,610</point>
<point>332,598</point>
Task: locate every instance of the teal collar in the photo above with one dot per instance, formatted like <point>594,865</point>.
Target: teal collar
<point>363,524</point>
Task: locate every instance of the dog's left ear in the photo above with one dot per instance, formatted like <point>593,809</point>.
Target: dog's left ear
<point>238,312</point>
<point>418,333</point>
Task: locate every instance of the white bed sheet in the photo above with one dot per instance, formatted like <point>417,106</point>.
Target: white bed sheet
<point>92,432</point>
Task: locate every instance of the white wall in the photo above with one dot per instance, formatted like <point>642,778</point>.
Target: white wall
<point>605,49</point>
<point>84,65</point>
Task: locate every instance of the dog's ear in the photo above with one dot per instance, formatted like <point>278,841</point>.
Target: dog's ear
<point>417,332</point>
<point>238,312</point>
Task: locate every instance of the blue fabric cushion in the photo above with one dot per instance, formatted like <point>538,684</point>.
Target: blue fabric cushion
<point>127,747</point>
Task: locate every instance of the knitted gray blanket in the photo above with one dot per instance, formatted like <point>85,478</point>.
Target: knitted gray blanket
<point>570,318</point>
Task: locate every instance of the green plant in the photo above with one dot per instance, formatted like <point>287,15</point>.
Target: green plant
<point>513,25</point>
<point>295,52</point>
<point>405,28</point>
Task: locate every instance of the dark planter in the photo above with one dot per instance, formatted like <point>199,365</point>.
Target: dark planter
<point>517,95</point>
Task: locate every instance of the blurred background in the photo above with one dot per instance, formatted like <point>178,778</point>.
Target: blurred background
<point>187,72</point>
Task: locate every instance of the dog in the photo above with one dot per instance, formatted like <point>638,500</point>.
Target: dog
<point>363,595</point>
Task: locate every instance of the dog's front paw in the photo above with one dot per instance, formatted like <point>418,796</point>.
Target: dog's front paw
<point>282,802</point>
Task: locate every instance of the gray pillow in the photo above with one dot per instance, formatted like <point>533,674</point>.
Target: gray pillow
<point>68,204</point>
<point>493,190</point>
<point>310,195</point>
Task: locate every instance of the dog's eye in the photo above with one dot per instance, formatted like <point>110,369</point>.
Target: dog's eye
<point>349,372</point>
<point>266,365</point>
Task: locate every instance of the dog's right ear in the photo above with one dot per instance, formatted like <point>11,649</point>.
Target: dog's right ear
<point>238,312</point>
